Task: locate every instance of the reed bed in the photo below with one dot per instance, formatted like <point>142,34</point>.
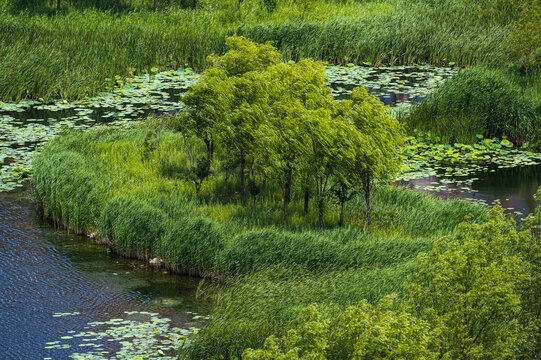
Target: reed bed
<point>485,103</point>
<point>69,54</point>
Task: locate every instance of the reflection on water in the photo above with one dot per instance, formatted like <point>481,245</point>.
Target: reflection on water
<point>512,188</point>
<point>44,272</point>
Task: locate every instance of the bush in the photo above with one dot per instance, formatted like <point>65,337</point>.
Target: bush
<point>469,290</point>
<point>268,302</point>
<point>478,101</point>
<point>364,332</point>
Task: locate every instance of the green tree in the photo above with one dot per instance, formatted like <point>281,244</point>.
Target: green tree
<point>524,34</point>
<point>367,332</point>
<point>376,143</point>
<point>228,101</point>
<point>468,289</point>
<point>206,103</point>
<point>309,341</point>
<point>363,332</point>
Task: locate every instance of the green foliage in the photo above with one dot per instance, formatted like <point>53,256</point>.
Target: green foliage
<point>363,332</point>
<point>200,172</point>
<point>468,289</point>
<point>192,245</point>
<point>62,55</point>
<point>68,188</point>
<point>524,39</point>
<point>478,101</point>
<point>366,332</point>
<point>471,298</point>
<point>307,342</point>
<point>269,301</point>
<point>133,226</point>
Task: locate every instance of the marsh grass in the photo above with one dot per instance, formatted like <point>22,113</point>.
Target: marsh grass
<point>70,54</point>
<point>268,302</point>
<point>492,103</point>
<point>110,181</point>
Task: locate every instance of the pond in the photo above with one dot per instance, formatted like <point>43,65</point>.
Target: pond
<point>511,188</point>
<point>63,296</point>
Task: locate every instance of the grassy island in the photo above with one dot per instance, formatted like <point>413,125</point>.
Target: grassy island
<point>279,196</point>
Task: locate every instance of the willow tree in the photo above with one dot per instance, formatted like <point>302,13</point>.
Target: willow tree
<point>226,103</point>
<point>206,103</point>
<point>378,141</point>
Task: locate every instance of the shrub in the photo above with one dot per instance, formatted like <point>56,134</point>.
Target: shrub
<point>468,289</point>
<point>478,101</point>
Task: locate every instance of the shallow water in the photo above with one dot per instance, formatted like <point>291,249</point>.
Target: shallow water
<point>54,285</point>
<point>512,188</point>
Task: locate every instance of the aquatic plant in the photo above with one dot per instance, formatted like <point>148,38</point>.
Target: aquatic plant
<point>137,335</point>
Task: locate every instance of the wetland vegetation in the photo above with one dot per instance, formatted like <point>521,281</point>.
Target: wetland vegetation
<point>231,141</point>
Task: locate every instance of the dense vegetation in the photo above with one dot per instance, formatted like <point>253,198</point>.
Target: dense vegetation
<point>277,193</point>
<point>268,183</point>
<point>482,103</point>
<point>111,183</point>
<point>69,53</point>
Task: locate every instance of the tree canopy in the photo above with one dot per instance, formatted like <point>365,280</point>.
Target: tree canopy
<point>284,119</point>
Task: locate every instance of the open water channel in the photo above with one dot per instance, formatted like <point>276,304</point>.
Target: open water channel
<point>62,296</point>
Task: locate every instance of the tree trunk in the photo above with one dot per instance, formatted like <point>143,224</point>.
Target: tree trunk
<point>341,214</point>
<point>58,5</point>
<point>211,149</point>
<point>306,200</point>
<point>321,214</point>
<point>264,185</point>
<point>287,194</point>
<point>242,164</point>
<point>117,3</point>
<point>156,9</point>
<point>195,4</point>
<point>209,145</point>
<point>52,4</point>
<point>227,170</point>
<point>254,204</point>
<point>367,217</point>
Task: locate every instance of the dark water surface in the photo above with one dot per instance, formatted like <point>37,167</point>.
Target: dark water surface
<point>44,272</point>
<point>512,188</point>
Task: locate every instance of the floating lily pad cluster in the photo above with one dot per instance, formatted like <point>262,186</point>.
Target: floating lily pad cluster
<point>26,124</point>
<point>138,335</point>
<point>393,85</point>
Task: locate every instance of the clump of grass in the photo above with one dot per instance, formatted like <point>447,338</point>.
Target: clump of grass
<point>134,226</point>
<point>479,101</point>
<point>268,302</point>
